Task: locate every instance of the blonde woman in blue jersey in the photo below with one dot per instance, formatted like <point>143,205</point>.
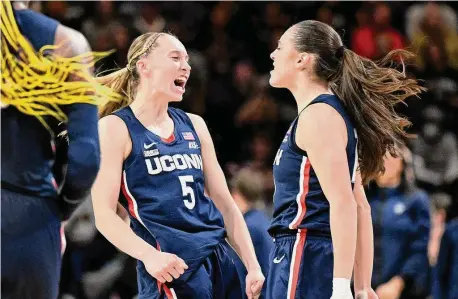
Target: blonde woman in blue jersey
<point>158,161</point>
<point>346,122</point>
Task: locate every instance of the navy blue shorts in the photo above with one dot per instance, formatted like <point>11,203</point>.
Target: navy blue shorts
<point>301,267</point>
<point>31,247</point>
<point>216,278</point>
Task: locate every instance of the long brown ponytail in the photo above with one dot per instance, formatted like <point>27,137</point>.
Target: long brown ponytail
<point>370,91</point>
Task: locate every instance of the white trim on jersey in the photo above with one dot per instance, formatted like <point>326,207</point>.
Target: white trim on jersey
<point>275,190</point>
<point>173,293</point>
<point>296,260</point>
<point>355,165</point>
<point>137,215</point>
<point>291,267</point>
<point>299,195</point>
<point>134,202</point>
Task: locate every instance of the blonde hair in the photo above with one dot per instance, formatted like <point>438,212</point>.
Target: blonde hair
<point>38,84</point>
<point>125,80</point>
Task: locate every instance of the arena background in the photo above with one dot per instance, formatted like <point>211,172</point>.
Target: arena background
<point>229,45</point>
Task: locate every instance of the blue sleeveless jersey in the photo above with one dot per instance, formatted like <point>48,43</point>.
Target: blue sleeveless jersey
<point>299,201</point>
<point>163,190</point>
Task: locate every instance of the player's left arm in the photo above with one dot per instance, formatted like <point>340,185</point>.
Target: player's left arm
<point>218,190</point>
<point>364,256</point>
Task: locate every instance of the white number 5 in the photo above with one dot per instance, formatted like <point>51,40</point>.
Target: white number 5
<point>190,204</point>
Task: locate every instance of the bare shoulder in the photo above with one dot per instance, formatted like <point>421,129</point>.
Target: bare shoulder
<point>71,42</point>
<point>198,122</point>
<point>322,115</point>
<point>320,121</point>
<point>113,132</point>
<point>113,128</point>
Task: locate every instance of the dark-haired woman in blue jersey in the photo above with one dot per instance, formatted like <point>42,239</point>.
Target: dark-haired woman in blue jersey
<point>346,122</point>
<point>158,162</point>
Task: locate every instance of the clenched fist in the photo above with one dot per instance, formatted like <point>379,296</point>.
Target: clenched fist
<point>254,281</point>
<point>164,266</point>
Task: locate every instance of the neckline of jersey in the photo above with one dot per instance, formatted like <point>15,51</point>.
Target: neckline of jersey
<point>156,136</point>
<point>316,99</point>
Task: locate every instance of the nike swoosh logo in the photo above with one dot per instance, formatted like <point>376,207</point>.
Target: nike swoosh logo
<point>147,146</point>
<point>278,260</point>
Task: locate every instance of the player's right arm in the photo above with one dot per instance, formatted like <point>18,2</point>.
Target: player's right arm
<point>115,145</point>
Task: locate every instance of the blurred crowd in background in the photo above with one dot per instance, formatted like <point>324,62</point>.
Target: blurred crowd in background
<point>229,45</point>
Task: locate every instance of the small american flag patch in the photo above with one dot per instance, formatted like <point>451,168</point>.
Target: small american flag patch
<point>188,136</point>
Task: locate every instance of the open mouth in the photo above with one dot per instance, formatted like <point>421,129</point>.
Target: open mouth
<point>180,83</point>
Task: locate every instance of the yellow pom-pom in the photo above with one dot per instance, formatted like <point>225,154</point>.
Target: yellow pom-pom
<point>37,83</point>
